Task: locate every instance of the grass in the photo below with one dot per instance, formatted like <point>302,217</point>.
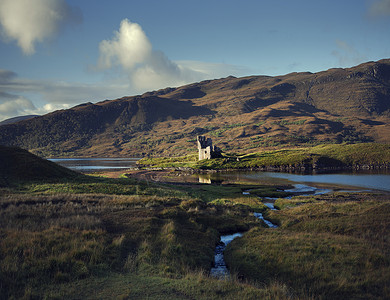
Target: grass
<point>56,235</point>
<point>84,237</point>
<point>331,247</point>
<point>196,285</point>
<point>318,157</point>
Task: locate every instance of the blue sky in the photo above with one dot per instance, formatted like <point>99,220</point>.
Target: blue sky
<point>59,53</point>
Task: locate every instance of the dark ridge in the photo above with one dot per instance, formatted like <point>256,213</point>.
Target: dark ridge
<point>17,164</point>
<point>17,119</point>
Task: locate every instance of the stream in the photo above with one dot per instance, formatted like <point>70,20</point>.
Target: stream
<point>220,270</point>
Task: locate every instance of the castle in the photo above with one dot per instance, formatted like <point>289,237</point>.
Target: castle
<point>206,148</point>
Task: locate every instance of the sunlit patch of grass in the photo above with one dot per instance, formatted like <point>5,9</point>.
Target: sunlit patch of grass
<point>166,162</point>
<point>322,156</point>
<point>250,203</point>
<point>96,185</point>
<point>282,203</point>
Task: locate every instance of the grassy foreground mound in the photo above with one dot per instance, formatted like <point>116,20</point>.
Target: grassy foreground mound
<point>17,164</point>
<point>364,155</point>
<point>331,247</point>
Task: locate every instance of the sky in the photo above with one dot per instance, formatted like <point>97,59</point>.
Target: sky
<point>56,54</point>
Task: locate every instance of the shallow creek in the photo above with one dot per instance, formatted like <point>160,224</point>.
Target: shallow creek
<point>220,269</point>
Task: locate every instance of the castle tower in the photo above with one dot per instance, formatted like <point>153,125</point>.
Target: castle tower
<point>206,148</point>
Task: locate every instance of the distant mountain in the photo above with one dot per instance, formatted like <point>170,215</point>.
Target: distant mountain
<point>240,114</point>
<point>17,119</point>
<point>19,165</point>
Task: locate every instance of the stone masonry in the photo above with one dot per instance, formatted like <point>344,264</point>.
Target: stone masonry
<point>206,148</point>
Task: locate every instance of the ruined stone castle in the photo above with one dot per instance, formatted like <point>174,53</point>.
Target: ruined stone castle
<point>206,148</point>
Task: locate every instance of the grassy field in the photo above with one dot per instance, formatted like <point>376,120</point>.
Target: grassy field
<point>329,247</point>
<point>318,157</point>
<point>113,237</point>
<point>87,237</point>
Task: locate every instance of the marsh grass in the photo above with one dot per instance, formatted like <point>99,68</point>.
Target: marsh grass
<point>335,249</point>
<point>193,285</point>
<point>49,237</point>
<point>251,204</point>
<point>97,185</point>
<point>125,238</point>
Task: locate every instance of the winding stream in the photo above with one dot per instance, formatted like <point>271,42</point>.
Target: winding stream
<point>220,270</point>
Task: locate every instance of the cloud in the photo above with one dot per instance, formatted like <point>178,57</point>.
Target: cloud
<point>147,69</point>
<point>31,21</point>
<point>380,8</point>
<point>347,54</point>
<point>129,47</point>
<point>12,105</point>
<point>214,70</point>
<point>16,94</point>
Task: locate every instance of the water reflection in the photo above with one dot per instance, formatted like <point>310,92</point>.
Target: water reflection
<point>204,178</point>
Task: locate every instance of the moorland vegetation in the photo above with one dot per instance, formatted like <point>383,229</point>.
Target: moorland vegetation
<point>87,237</point>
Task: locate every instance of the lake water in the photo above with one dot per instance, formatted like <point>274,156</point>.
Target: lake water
<point>378,180</point>
<point>362,180</point>
<point>90,165</point>
<point>365,180</point>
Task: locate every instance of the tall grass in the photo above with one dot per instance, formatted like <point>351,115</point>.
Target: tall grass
<point>50,238</point>
<point>334,249</point>
<point>105,238</point>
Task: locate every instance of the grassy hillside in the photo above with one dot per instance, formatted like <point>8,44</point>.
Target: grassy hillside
<point>240,114</point>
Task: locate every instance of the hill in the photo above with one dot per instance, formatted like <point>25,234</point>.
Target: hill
<point>20,165</point>
<point>17,119</point>
<point>240,114</point>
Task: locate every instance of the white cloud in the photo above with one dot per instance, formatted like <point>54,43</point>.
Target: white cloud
<point>31,21</point>
<point>380,8</point>
<point>16,94</point>
<point>147,69</point>
<point>11,106</point>
<point>128,47</point>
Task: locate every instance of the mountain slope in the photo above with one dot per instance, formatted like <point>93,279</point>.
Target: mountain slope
<point>240,114</point>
